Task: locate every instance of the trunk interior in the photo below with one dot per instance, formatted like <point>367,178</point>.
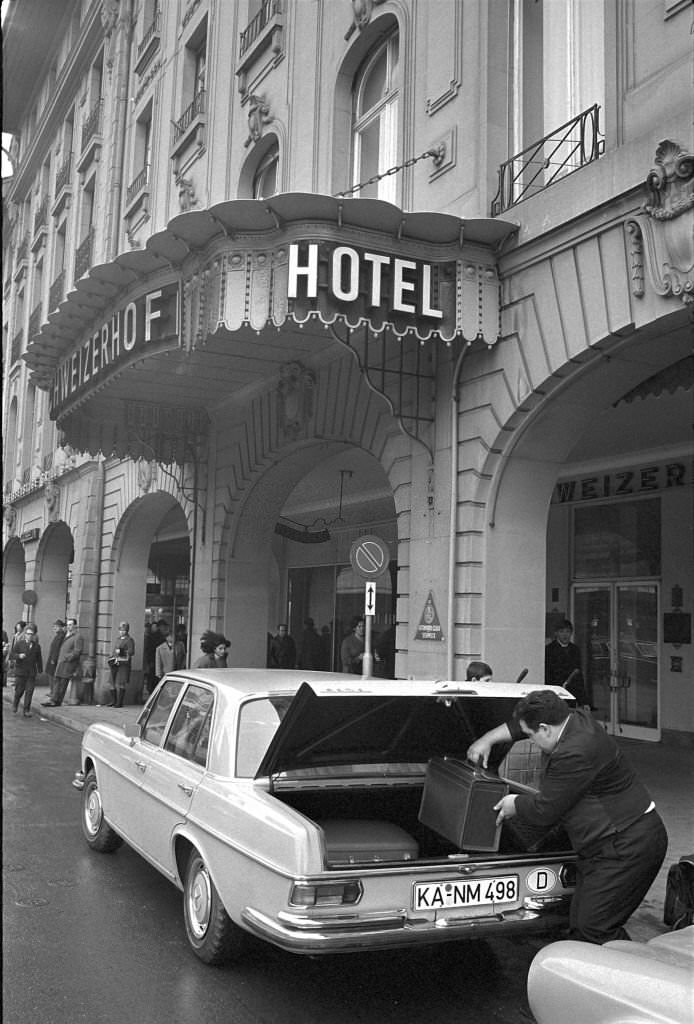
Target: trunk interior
<point>400,805</point>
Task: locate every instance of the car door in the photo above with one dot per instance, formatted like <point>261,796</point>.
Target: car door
<point>171,772</point>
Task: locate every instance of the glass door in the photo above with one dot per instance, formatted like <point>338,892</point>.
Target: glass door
<point>617,632</point>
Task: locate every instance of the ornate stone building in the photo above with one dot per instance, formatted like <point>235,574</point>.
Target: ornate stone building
<point>278,275</point>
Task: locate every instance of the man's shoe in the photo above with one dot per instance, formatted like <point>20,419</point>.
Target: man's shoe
<point>28,714</point>
<point>47,704</point>
<point>14,709</point>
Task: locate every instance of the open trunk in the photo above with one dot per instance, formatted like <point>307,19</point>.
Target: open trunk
<point>399,804</point>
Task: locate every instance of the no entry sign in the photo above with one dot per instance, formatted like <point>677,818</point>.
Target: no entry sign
<point>369,557</point>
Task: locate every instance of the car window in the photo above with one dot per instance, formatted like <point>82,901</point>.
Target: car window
<point>258,721</point>
<point>161,709</point>
<point>186,733</point>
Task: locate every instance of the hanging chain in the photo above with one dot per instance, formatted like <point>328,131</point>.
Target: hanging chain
<point>436,154</point>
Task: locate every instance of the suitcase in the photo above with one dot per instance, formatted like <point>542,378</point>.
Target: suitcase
<point>366,842</point>
<point>458,803</point>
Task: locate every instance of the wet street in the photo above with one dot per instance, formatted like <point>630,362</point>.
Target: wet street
<point>99,938</point>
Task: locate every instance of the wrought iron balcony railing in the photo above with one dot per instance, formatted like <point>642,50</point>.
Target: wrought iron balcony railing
<point>22,250</point>
<point>149,44</point>
<point>56,292</point>
<point>83,255</point>
<point>573,145</point>
<point>192,111</point>
<point>62,178</point>
<point>258,23</point>
<point>91,125</point>
<point>137,184</point>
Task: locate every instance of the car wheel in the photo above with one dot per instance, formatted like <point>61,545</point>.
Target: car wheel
<point>96,829</point>
<point>211,932</point>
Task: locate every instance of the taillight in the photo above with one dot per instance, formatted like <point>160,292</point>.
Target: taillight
<point>325,894</point>
<point>567,875</point>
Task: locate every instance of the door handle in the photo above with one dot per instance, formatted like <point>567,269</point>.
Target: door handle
<point>142,765</point>
<point>188,790</point>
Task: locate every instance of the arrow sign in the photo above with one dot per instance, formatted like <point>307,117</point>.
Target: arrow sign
<point>370,599</point>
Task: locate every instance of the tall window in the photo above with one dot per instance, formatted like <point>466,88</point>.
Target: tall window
<point>375,121</point>
<point>143,144</point>
<point>558,57</point>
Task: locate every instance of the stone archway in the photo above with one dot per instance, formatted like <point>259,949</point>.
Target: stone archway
<point>55,555</point>
<point>13,582</point>
<point>523,477</point>
<point>125,580</point>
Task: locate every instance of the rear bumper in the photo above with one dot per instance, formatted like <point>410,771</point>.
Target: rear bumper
<point>352,933</point>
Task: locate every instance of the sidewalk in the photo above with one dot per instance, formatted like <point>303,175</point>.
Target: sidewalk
<point>668,773</point>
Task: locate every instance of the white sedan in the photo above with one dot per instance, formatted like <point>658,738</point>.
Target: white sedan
<point>301,808</point>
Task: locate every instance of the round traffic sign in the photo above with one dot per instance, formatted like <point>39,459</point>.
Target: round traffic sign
<point>369,557</point>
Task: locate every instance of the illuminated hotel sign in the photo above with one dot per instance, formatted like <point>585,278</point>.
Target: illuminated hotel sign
<point>142,327</point>
<point>390,283</point>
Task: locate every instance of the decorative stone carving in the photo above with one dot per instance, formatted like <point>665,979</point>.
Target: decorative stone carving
<point>662,236</point>
<point>146,474</point>
<point>110,9</point>
<point>258,117</point>
<point>51,493</point>
<point>294,398</point>
<point>187,198</point>
<point>11,520</point>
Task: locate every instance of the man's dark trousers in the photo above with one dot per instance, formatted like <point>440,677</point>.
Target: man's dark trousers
<point>614,877</point>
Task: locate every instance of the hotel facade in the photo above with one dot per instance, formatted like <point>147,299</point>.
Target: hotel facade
<point>281,276</point>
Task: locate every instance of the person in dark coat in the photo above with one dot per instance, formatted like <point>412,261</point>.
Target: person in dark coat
<point>28,662</point>
<point>311,654</point>
<point>282,649</point>
<point>53,652</point>
<point>68,663</point>
<point>590,788</point>
<point>563,662</point>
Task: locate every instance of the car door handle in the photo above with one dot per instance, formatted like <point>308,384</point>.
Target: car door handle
<point>188,790</point>
<point>142,765</point>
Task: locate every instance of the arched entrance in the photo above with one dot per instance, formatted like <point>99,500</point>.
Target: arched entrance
<point>292,548</point>
<point>151,573</point>
<point>586,430</point>
<point>55,556</point>
<point>13,585</point>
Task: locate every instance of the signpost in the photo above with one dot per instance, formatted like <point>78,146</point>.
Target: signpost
<point>370,558</point>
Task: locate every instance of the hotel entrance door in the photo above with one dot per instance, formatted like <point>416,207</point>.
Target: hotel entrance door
<point>616,628</point>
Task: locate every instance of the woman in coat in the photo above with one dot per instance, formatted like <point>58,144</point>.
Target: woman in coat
<point>120,663</point>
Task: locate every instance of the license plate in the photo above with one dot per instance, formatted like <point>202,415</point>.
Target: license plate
<point>467,892</point>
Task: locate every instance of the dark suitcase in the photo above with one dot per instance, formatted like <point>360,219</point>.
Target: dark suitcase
<point>458,803</point>
<point>366,842</point>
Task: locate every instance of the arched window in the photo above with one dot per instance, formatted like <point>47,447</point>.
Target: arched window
<point>265,176</point>
<point>375,121</point>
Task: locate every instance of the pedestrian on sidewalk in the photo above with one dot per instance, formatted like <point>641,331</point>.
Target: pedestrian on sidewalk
<point>53,652</point>
<point>16,635</point>
<point>28,663</point>
<point>169,655</point>
<point>68,664</point>
<point>120,664</point>
<point>282,649</point>
<point>214,647</point>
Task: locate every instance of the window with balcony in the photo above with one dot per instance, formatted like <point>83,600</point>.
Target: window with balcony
<point>142,160</point>
<point>190,125</point>
<point>56,292</point>
<point>261,38</point>
<point>28,431</point>
<point>556,59</point>
<point>150,37</point>
<point>375,103</point>
<point>10,442</point>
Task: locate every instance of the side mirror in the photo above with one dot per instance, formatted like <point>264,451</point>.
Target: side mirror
<point>133,730</point>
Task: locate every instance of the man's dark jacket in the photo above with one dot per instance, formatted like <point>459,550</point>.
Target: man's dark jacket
<point>588,785</point>
<point>31,663</point>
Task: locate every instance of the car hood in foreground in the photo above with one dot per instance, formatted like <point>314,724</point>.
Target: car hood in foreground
<point>376,722</point>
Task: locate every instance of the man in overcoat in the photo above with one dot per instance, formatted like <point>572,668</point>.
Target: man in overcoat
<point>28,663</point>
<point>68,665</point>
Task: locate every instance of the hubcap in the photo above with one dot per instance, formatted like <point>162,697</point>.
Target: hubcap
<point>199,901</point>
<point>93,811</point>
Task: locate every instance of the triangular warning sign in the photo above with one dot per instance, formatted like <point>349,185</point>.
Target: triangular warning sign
<point>429,627</point>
